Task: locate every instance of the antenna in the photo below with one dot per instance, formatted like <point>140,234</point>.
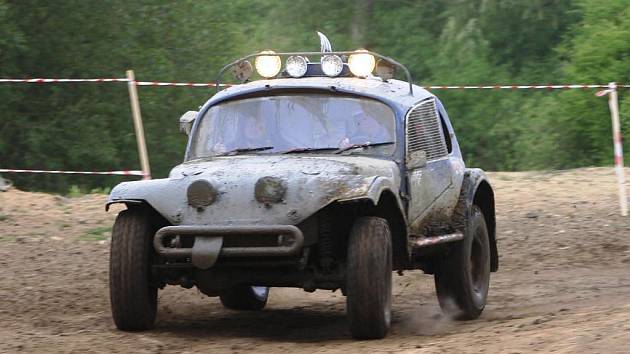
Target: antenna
<point>324,43</point>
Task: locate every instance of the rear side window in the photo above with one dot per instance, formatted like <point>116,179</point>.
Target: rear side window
<point>424,130</point>
<point>447,135</point>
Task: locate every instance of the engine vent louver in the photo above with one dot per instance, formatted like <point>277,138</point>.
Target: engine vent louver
<point>424,131</point>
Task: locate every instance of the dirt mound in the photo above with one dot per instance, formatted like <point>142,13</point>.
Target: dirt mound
<point>563,284</point>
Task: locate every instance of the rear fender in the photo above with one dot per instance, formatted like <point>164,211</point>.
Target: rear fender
<point>476,190</point>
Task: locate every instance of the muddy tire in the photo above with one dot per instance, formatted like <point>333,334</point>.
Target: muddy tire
<point>245,298</point>
<point>133,295</point>
<point>369,278</point>
<point>463,277</point>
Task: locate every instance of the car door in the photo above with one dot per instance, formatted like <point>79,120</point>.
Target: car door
<point>429,170</point>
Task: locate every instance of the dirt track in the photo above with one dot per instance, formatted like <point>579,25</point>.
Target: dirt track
<point>564,284</point>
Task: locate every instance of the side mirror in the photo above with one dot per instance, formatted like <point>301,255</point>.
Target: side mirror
<point>416,159</point>
<point>186,121</point>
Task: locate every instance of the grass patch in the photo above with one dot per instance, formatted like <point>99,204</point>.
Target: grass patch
<point>97,234</point>
<point>102,190</point>
<point>4,217</point>
<point>76,191</point>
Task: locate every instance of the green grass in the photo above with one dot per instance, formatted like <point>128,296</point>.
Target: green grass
<point>4,217</point>
<point>75,191</point>
<point>97,234</point>
<point>5,238</point>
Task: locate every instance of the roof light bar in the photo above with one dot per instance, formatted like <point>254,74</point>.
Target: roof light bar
<point>313,54</point>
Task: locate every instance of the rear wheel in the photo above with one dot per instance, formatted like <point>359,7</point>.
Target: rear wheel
<point>133,295</point>
<point>369,278</point>
<point>463,277</point>
<point>245,297</point>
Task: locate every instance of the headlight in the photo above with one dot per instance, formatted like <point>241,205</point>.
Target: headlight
<point>332,65</point>
<point>201,193</point>
<point>268,66</point>
<point>361,63</point>
<point>297,66</point>
<point>270,190</point>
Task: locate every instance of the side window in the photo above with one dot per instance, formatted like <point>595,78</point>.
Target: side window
<point>447,135</point>
<point>424,131</point>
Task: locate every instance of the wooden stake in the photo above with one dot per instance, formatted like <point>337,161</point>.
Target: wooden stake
<point>613,104</point>
<point>137,124</point>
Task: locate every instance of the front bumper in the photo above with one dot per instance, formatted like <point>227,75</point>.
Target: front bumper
<point>208,244</point>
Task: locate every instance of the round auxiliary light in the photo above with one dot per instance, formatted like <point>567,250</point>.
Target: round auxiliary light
<point>268,66</point>
<point>242,70</point>
<point>296,66</point>
<point>361,63</point>
<point>332,65</point>
<point>385,70</point>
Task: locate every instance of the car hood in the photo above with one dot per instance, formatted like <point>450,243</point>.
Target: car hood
<point>309,183</point>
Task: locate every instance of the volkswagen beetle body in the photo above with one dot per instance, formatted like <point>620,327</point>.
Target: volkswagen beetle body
<point>281,217</point>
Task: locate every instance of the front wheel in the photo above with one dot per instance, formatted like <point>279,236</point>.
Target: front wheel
<point>133,295</point>
<point>463,277</point>
<point>245,298</point>
<point>369,278</point>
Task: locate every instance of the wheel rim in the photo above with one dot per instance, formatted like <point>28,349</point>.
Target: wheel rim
<point>387,308</point>
<point>261,292</point>
<point>479,269</point>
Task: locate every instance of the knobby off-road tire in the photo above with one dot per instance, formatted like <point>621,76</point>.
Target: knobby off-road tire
<point>463,278</point>
<point>245,298</point>
<point>133,296</point>
<point>369,278</point>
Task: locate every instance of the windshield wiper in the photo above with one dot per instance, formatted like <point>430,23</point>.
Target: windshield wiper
<point>363,145</point>
<point>241,150</point>
<point>308,149</point>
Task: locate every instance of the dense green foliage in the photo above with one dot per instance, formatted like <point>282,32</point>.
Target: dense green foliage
<point>88,127</point>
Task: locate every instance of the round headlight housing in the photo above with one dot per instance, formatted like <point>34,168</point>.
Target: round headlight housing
<point>296,66</point>
<point>361,63</point>
<point>270,190</point>
<point>268,66</point>
<point>332,65</point>
<point>242,70</point>
<point>385,70</point>
<point>201,193</point>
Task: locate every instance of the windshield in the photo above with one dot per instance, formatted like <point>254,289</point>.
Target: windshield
<point>295,123</point>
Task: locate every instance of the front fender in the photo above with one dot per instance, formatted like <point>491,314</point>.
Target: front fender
<point>374,192</point>
<point>164,195</point>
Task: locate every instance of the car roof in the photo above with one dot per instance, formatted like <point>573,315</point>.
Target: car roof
<point>394,91</point>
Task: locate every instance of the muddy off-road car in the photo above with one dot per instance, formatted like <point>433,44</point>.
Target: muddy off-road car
<point>319,175</point>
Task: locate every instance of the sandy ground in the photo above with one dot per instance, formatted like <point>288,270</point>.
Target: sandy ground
<point>563,286</point>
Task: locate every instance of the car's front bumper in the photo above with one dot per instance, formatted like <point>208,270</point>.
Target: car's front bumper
<point>208,242</point>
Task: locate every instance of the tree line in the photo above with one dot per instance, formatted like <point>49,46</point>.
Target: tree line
<point>446,42</point>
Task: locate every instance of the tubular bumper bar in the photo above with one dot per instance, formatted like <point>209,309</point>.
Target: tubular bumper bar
<point>290,231</point>
<point>436,240</point>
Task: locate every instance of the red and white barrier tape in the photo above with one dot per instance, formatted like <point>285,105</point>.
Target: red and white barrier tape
<point>517,87</point>
<point>185,84</point>
<point>139,83</point>
<point>109,173</point>
<point>47,81</point>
